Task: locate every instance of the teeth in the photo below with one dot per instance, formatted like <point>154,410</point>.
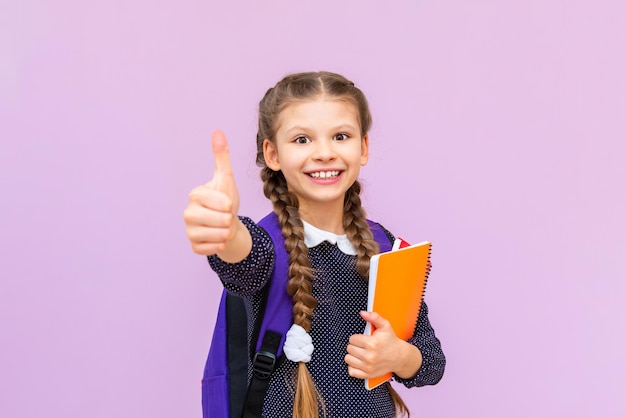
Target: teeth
<point>324,174</point>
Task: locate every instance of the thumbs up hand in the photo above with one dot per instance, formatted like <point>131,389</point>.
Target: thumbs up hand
<point>211,216</point>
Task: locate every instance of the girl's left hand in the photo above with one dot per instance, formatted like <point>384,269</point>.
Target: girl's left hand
<point>370,356</point>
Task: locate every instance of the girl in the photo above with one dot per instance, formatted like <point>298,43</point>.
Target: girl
<point>311,142</point>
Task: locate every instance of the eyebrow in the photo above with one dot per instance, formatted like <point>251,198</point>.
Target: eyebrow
<point>342,127</point>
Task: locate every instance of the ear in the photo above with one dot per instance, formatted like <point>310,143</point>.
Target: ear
<point>270,153</point>
<point>365,149</point>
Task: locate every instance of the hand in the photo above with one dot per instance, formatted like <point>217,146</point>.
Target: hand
<point>211,215</point>
<point>370,356</point>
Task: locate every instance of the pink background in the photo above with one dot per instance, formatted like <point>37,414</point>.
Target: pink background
<point>498,134</point>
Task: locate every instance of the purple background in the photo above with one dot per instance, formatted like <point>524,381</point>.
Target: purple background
<point>498,134</point>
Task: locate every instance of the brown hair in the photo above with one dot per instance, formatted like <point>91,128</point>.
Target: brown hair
<point>292,89</point>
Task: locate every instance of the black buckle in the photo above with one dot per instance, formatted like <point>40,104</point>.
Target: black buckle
<point>263,364</point>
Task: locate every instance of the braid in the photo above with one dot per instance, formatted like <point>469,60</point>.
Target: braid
<point>300,285</point>
<point>357,229</point>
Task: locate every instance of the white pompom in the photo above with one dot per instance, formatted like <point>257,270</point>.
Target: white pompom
<point>298,344</point>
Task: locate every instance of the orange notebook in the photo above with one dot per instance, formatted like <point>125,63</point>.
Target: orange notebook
<point>397,282</point>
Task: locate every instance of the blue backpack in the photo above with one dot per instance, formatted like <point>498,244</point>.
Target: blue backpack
<point>225,390</point>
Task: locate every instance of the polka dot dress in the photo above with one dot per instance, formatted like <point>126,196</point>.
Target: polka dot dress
<point>341,293</point>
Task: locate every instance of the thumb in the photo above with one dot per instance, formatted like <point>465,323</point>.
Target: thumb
<point>375,319</point>
<point>223,170</point>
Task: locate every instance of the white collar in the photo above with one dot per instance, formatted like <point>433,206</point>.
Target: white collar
<point>314,236</point>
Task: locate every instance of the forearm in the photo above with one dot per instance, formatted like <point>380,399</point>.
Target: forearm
<point>250,274</point>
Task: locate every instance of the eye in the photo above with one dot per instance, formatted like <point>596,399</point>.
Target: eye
<point>341,137</point>
<point>302,140</point>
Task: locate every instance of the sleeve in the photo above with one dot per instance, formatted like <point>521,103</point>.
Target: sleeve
<point>250,275</point>
<point>433,359</point>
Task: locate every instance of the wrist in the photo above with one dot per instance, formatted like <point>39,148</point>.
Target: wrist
<point>409,362</point>
<point>238,246</point>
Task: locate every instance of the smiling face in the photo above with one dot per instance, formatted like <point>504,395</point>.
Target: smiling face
<point>320,150</point>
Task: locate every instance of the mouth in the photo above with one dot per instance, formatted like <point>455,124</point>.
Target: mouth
<point>331,174</point>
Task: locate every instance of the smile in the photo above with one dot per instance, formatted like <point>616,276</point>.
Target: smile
<point>324,174</point>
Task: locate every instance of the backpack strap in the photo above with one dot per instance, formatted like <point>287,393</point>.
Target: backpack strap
<point>380,236</point>
<point>277,318</point>
<point>278,314</point>
<point>237,335</point>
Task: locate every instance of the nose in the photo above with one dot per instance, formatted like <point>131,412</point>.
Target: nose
<point>324,150</point>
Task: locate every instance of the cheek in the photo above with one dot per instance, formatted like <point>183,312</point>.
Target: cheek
<point>358,156</point>
<point>292,160</point>
<point>287,165</point>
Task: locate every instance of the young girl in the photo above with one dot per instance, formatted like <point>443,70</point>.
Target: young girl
<point>311,143</point>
